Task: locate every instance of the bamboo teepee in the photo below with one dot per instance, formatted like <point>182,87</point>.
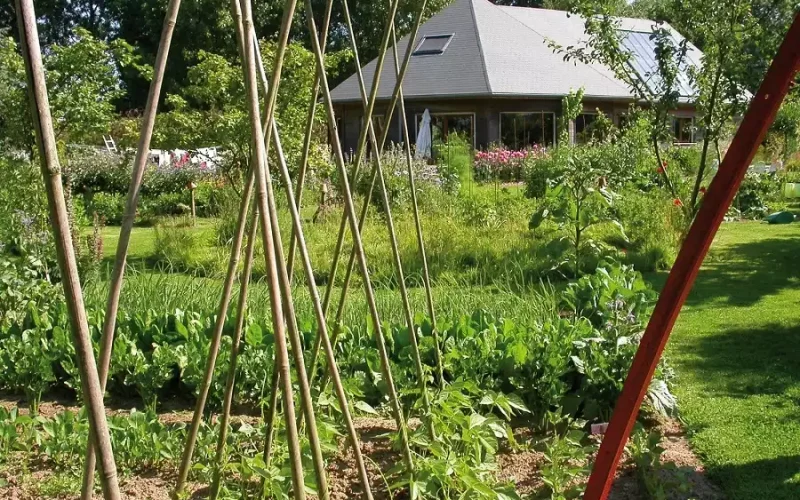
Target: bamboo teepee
<point>257,210</point>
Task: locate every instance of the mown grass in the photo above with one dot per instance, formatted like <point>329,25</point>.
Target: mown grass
<point>736,350</point>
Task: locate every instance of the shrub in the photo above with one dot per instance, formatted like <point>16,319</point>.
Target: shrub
<point>653,227</point>
<point>110,207</point>
<point>755,194</point>
<point>454,159</point>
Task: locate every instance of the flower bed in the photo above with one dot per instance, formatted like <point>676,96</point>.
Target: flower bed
<point>503,164</point>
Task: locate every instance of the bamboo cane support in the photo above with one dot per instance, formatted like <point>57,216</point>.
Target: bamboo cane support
<point>361,147</point>
<point>312,109</point>
<point>118,273</point>
<point>306,401</point>
<point>241,313</point>
<point>365,207</point>
<point>351,213</point>
<point>314,293</point>
<point>51,173</point>
<point>251,87</point>
<point>426,278</point>
<point>389,219</point>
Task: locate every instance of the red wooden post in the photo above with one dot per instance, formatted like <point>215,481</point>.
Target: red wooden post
<point>723,188</point>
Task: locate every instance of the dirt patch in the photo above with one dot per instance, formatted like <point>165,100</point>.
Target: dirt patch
<point>519,466</point>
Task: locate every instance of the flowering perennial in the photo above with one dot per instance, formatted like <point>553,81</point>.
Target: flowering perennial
<point>503,164</point>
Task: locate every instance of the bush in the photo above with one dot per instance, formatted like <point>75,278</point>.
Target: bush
<point>454,160</point>
<point>395,174</point>
<point>653,227</point>
<point>110,207</point>
<point>755,194</point>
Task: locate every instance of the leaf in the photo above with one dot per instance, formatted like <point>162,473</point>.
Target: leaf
<point>538,217</point>
<point>578,363</point>
<point>365,407</point>
<point>254,335</point>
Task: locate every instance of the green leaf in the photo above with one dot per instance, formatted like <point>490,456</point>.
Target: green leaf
<point>538,217</point>
<point>365,408</point>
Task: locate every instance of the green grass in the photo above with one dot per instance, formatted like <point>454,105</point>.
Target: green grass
<point>736,350</point>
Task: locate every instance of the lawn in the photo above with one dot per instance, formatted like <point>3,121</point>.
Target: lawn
<point>736,350</point>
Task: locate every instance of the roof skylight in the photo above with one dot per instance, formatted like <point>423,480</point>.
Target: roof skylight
<point>433,44</point>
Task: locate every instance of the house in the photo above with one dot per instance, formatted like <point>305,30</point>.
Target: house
<point>488,72</point>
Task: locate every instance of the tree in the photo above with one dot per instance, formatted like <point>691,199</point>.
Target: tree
<point>720,96</point>
<point>83,82</point>
<point>787,126</point>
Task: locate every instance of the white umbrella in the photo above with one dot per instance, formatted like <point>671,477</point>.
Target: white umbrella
<point>424,137</point>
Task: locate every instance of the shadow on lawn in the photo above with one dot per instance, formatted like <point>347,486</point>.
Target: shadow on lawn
<point>748,481</point>
<point>741,274</point>
<point>741,362</point>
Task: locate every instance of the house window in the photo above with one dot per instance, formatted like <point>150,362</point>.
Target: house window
<point>683,130</point>
<point>433,44</point>
<point>520,130</point>
<point>585,128</point>
<point>444,124</point>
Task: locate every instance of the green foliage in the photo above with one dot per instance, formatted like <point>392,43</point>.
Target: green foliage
<point>564,455</point>
<point>109,207</point>
<point>755,194</point>
<point>579,199</point>
<point>660,480</point>
<point>175,243</point>
<point>454,159</point>
<point>83,82</point>
<point>653,226</point>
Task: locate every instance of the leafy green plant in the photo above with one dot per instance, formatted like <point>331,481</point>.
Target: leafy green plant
<point>579,200</point>
<point>565,457</point>
<point>660,480</point>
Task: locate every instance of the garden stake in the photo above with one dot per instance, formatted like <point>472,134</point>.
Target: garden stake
<point>118,273</point>
<point>314,293</point>
<point>65,253</point>
<point>426,278</point>
<point>389,220</point>
<point>222,313</point>
<point>721,192</point>
<point>241,311</point>
<point>260,157</point>
<point>365,208</point>
<point>360,149</point>
<point>351,215</point>
<point>312,109</point>
<point>306,401</point>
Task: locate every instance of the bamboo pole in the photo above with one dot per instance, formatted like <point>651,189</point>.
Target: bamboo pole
<point>222,312</point>
<point>251,87</point>
<point>306,401</point>
<point>51,173</point>
<point>118,273</point>
<point>312,109</point>
<point>351,215</point>
<point>426,278</point>
<point>361,148</point>
<point>314,293</point>
<point>365,207</point>
<point>241,312</point>
<point>389,219</point>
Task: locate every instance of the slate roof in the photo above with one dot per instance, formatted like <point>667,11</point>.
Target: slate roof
<point>501,51</point>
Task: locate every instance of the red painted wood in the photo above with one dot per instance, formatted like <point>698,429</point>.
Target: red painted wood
<point>721,192</point>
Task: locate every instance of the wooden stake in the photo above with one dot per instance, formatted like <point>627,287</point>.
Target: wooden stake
<point>73,295</point>
<point>314,293</point>
<point>312,109</point>
<point>351,216</point>
<point>118,273</point>
<point>721,192</point>
<point>260,156</point>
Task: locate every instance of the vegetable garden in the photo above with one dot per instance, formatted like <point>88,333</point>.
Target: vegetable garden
<point>475,345</point>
